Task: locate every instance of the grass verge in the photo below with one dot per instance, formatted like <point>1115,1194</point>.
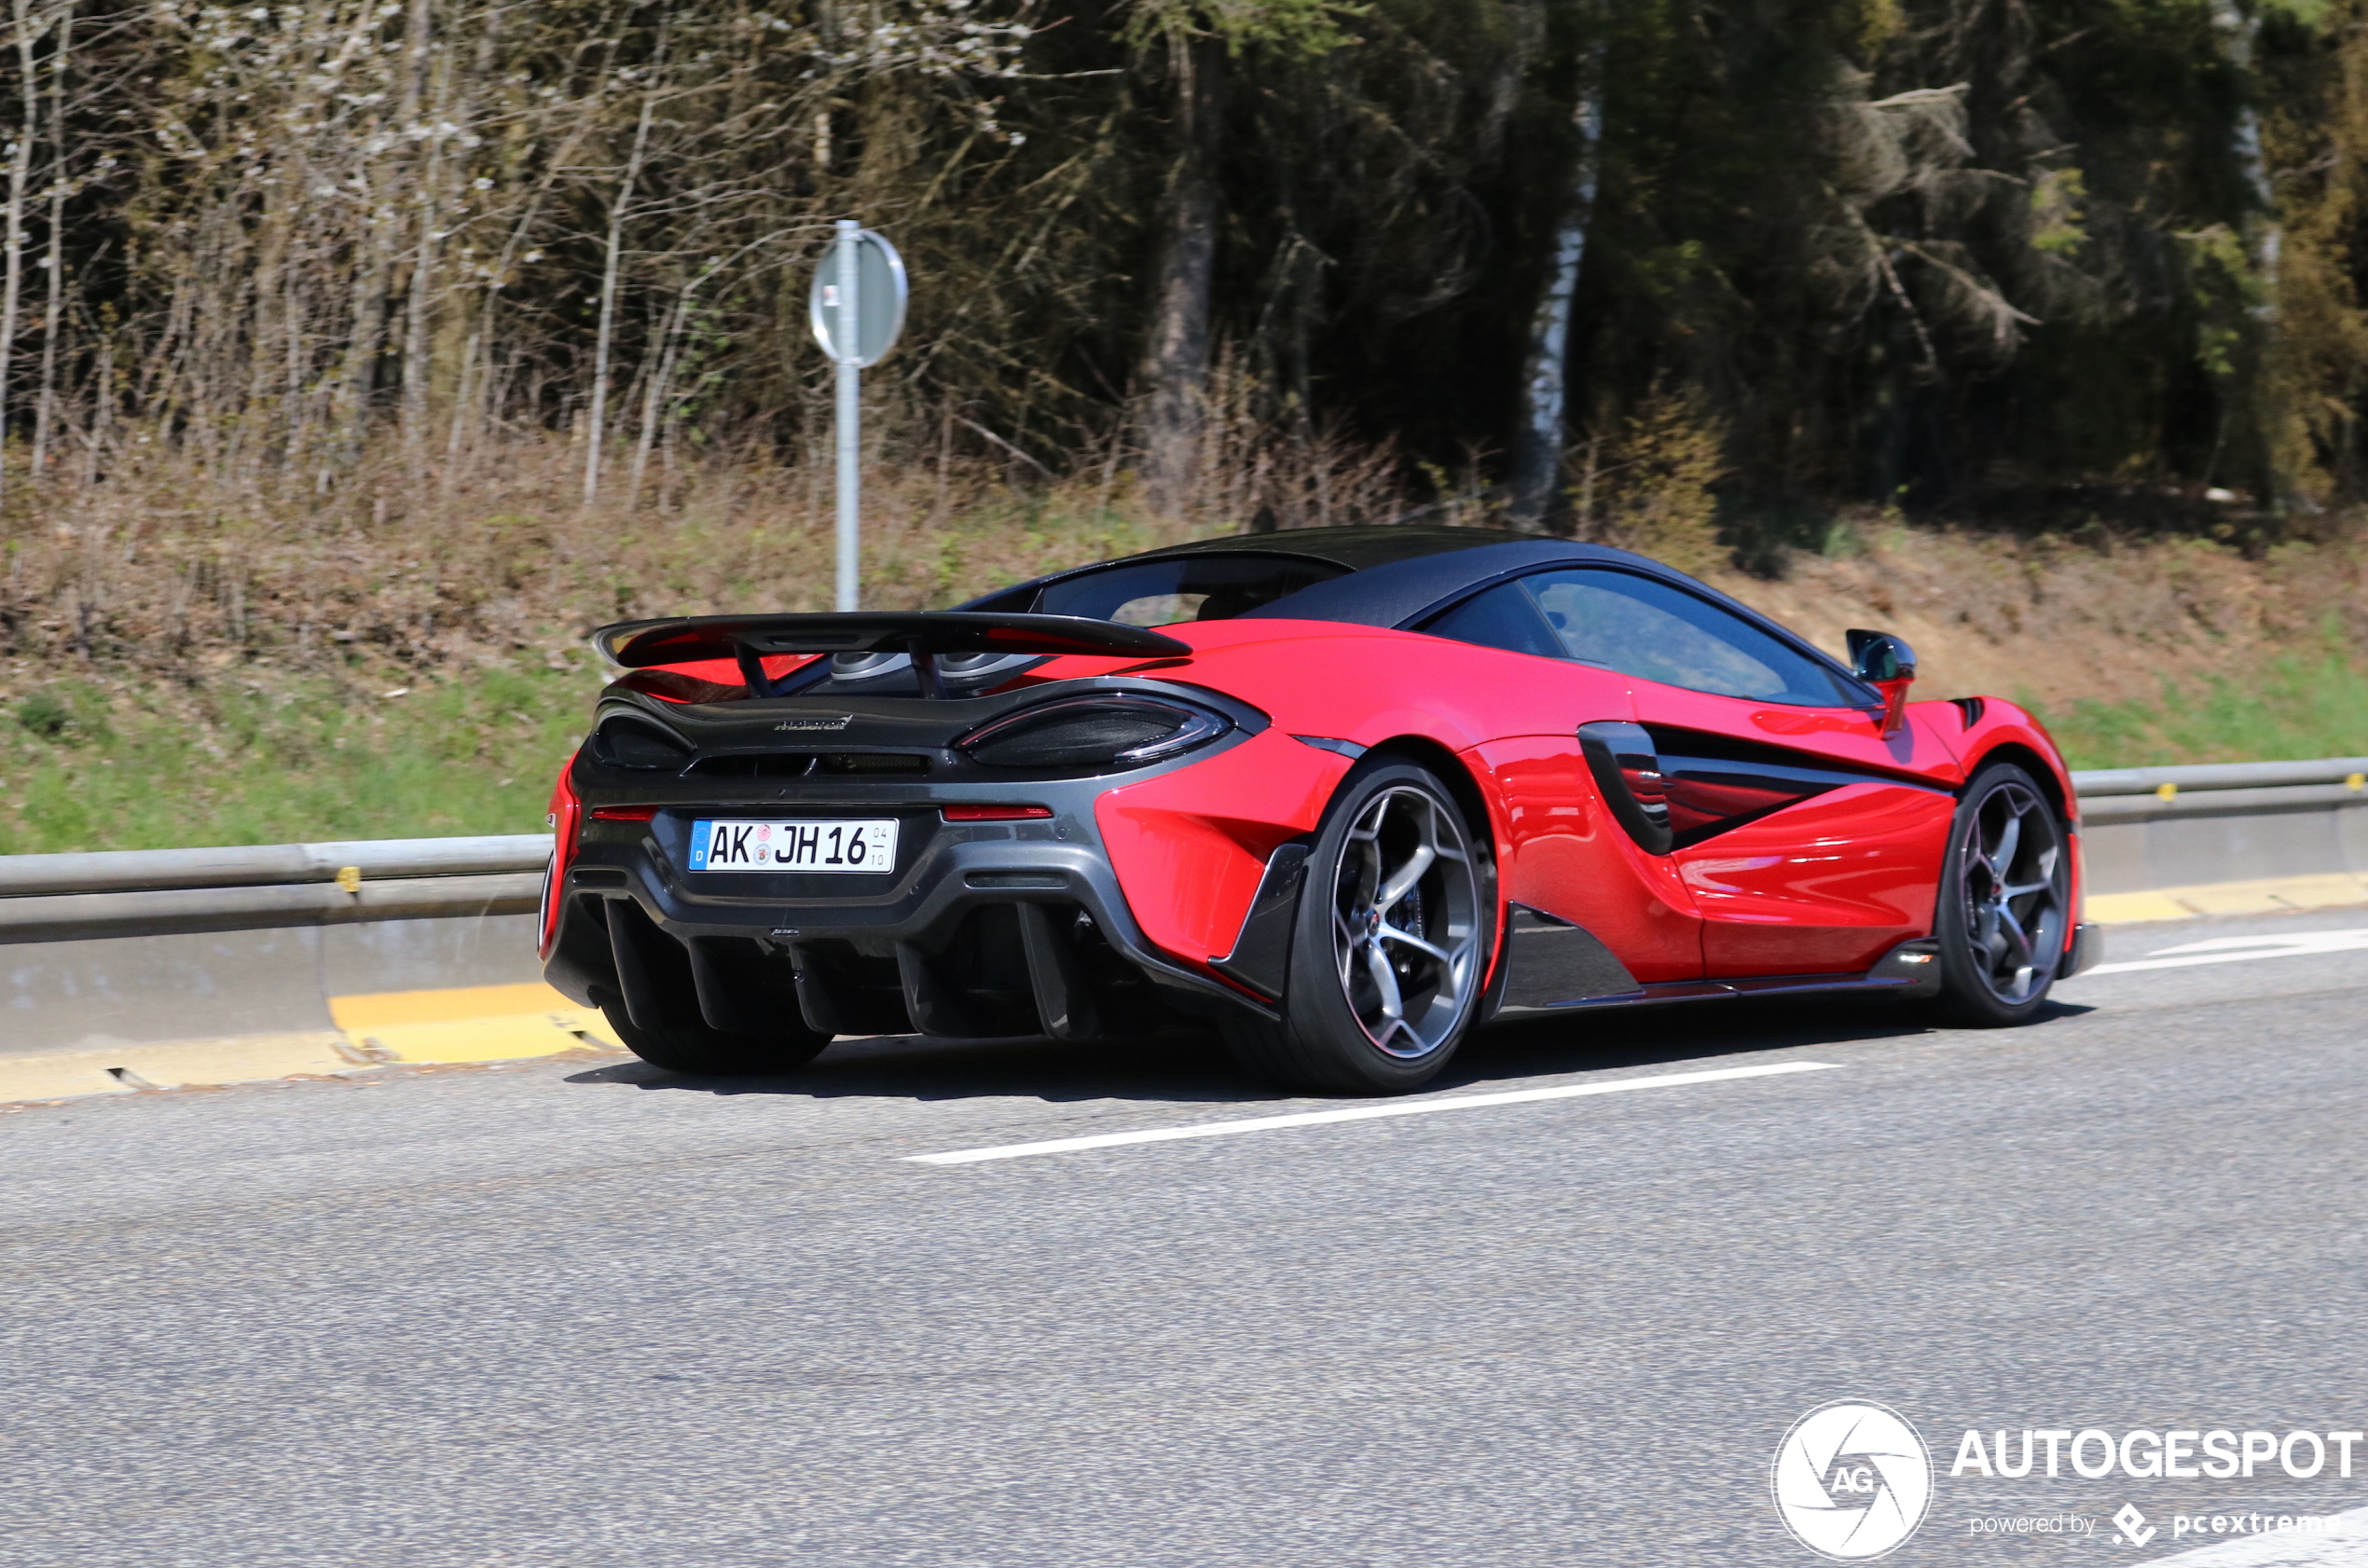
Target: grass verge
<point>308,758</point>
<point>2299,706</point>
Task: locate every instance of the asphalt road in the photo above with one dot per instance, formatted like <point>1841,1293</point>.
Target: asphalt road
<point>570,1316</point>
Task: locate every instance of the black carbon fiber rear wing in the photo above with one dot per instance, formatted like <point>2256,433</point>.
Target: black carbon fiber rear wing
<point>926,634</point>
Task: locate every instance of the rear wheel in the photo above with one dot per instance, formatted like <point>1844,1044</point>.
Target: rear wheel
<point>2004,910</point>
<point>1391,938</point>
<point>702,1051</point>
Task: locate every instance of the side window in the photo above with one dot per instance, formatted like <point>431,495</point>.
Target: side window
<point>1502,617</point>
<point>1646,629</point>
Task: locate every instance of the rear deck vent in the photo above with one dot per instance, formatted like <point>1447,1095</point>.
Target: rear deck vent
<point>757,764</point>
<point>871,762</point>
<point>800,765</point>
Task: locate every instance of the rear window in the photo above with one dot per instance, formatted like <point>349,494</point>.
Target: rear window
<point>1161,593</point>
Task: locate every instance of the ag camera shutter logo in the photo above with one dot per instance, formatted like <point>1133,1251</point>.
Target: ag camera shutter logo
<point>1851,1481</point>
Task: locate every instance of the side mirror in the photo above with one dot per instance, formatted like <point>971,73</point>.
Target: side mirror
<point>1887,664</point>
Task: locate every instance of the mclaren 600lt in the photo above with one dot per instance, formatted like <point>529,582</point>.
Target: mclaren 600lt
<point>1343,793</point>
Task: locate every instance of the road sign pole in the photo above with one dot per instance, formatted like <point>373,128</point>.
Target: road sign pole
<point>838,310</point>
<point>850,415</point>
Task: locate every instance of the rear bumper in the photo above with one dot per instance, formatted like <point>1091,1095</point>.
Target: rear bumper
<point>983,930</point>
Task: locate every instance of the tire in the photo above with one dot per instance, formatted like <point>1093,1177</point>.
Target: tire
<point>711,1053</point>
<point>2005,907</point>
<point>1355,958</point>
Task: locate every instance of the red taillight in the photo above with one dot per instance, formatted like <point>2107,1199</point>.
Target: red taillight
<point>565,811</point>
<point>995,813</point>
<point>623,813</point>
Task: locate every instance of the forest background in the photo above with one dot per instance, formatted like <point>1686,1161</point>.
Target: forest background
<point>356,356</point>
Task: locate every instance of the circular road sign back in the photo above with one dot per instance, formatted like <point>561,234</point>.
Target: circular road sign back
<point>880,290</point>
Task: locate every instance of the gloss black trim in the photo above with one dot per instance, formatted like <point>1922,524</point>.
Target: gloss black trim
<point>1895,975</point>
<point>1914,965</point>
<point>1627,771</point>
<point>1552,962</point>
<point>1261,955</point>
<point>1716,783</point>
<point>689,638</point>
<point>779,739</point>
<point>1064,995</point>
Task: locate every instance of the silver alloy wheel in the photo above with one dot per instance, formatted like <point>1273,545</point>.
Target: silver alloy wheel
<point>2011,871</point>
<point>1404,922</point>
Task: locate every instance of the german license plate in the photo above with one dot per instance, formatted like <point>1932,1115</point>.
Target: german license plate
<point>837,844</point>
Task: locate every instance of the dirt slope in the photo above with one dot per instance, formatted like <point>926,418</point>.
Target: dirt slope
<point>2058,623</point>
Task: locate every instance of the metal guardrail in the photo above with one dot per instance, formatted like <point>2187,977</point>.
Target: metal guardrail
<point>161,892</point>
<point>55,898</point>
<point>114,871</point>
<point>2141,794</point>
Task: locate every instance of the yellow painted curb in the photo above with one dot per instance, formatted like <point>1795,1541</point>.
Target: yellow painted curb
<point>468,1024</point>
<point>2120,909</point>
<point>486,1039</point>
<point>464,1025</point>
<point>2269,896</point>
<point>383,1009</point>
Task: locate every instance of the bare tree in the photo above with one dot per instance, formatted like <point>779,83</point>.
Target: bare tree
<point>612,258</point>
<point>427,141</point>
<point>2257,391</point>
<point>1537,456</point>
<point>1175,351</point>
<point>54,257</point>
<point>27,31</point>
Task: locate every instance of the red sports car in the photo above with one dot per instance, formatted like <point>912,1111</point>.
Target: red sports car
<point>1345,793</point>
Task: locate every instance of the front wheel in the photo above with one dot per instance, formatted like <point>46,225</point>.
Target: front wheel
<point>2004,911</point>
<point>1387,952</point>
<point>703,1052</point>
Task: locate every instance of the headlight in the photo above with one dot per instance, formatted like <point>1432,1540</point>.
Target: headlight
<point>1095,731</point>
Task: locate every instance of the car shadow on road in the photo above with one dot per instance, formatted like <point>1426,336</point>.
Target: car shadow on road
<point>1191,1066</point>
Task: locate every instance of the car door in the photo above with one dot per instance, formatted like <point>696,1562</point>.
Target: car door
<point>1567,858</point>
<point>1809,841</point>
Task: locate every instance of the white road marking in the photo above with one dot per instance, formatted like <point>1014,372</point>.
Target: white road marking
<point>2344,1545</point>
<point>2238,950</point>
<point>1360,1113</point>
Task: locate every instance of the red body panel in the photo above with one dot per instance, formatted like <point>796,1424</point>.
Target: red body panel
<point>1829,885</point>
<point>1566,854</point>
<point>1826,886</point>
<point>566,817</point>
<point>1189,846</point>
